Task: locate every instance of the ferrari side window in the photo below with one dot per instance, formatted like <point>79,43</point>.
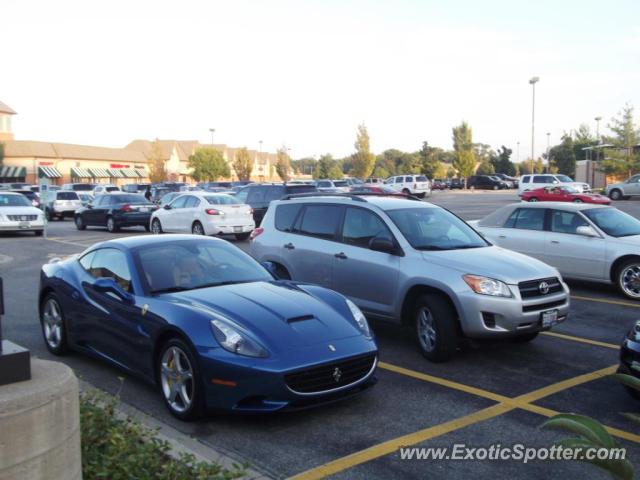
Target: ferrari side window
<point>111,263</point>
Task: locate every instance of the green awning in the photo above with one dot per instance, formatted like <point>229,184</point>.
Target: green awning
<point>115,173</point>
<point>100,173</point>
<point>13,172</point>
<point>142,173</point>
<point>49,172</point>
<point>78,172</point>
<point>129,173</point>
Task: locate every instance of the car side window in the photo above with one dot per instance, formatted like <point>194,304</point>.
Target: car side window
<point>85,260</point>
<point>525,179</point>
<point>179,202</point>
<point>320,221</point>
<point>275,192</point>
<point>191,202</point>
<point>285,216</point>
<point>566,222</point>
<point>408,179</point>
<point>398,179</point>
<point>242,195</point>
<point>360,226</point>
<point>526,219</point>
<point>111,263</point>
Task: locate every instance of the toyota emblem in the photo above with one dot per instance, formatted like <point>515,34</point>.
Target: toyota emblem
<point>337,374</point>
<point>544,288</point>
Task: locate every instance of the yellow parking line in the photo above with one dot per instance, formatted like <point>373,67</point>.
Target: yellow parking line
<point>66,242</point>
<point>392,445</point>
<point>582,340</point>
<point>606,300</point>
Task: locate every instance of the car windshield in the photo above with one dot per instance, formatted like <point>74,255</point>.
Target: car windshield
<point>129,199</point>
<point>340,183</point>
<point>181,265</point>
<point>112,189</point>
<point>613,222</point>
<point>222,200</point>
<point>16,200</point>
<point>435,229</point>
<point>564,178</point>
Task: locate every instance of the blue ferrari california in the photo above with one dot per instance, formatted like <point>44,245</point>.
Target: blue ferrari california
<point>207,324</point>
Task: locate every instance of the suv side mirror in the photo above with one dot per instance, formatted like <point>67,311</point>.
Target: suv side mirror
<point>109,285</point>
<point>587,231</point>
<point>382,244</point>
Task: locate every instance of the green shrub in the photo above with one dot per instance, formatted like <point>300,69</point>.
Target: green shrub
<point>122,449</point>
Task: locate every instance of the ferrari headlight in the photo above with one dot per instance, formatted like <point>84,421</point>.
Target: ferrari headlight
<point>360,319</point>
<point>487,286</point>
<point>233,339</point>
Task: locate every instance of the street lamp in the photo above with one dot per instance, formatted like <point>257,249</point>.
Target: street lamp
<point>597,119</point>
<point>533,82</point>
<point>212,130</point>
<point>548,151</point>
<point>518,152</point>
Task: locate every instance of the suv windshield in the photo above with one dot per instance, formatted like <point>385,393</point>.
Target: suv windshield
<point>67,196</point>
<point>564,178</point>
<point>614,222</point>
<point>435,229</point>
<point>14,201</point>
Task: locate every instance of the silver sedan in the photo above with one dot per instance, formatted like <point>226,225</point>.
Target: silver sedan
<point>583,241</point>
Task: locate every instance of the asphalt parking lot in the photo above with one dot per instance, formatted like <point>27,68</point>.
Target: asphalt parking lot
<point>489,393</point>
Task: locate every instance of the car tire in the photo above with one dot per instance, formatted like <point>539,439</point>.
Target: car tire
<point>112,226</point>
<point>176,363</point>
<point>156,227</point>
<point>525,337</point>
<point>577,200</point>
<point>436,329</point>
<point>52,325</point>
<point>80,223</point>
<point>197,229</point>
<point>38,233</point>
<point>243,236</point>
<point>628,278</point>
<point>533,199</point>
<point>615,194</point>
<point>406,191</point>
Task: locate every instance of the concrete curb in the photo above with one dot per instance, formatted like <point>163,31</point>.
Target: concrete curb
<point>182,443</point>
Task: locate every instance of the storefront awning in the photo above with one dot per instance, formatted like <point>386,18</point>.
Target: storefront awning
<point>115,173</point>
<point>142,173</point>
<point>129,173</point>
<point>77,172</point>
<point>13,172</point>
<point>99,173</point>
<point>48,172</point>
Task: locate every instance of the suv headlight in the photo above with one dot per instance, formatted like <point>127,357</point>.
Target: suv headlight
<point>487,286</point>
<point>360,319</point>
<point>233,339</point>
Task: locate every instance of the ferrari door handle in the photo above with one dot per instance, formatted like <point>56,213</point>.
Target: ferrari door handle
<point>341,256</point>
<point>289,246</point>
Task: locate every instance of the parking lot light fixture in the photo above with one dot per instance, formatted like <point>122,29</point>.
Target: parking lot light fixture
<point>533,82</point>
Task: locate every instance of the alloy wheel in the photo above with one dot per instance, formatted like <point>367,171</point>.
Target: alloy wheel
<point>176,374</point>
<point>111,226</point>
<point>197,229</point>
<point>426,329</point>
<point>630,280</point>
<point>156,229</point>
<point>52,323</point>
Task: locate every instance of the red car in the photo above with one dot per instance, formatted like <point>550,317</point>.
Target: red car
<point>563,194</point>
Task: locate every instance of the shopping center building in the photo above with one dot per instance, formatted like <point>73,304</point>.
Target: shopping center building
<point>55,163</point>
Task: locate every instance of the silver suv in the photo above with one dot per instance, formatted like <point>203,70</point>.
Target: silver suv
<point>412,263</point>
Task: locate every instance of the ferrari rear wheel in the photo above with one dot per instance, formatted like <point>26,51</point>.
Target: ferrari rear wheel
<point>533,199</point>
<point>179,379</point>
<point>577,200</point>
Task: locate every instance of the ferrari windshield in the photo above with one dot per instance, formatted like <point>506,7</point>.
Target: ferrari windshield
<point>189,264</point>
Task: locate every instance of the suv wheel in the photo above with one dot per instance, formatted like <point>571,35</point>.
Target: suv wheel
<point>615,194</point>
<point>435,323</point>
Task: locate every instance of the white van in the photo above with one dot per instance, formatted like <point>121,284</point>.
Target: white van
<point>531,182</point>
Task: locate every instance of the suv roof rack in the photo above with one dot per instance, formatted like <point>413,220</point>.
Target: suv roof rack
<point>357,197</point>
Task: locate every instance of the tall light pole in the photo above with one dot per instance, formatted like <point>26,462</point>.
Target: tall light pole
<point>212,130</point>
<point>533,82</point>
<point>548,151</point>
<point>518,152</point>
<point>597,119</point>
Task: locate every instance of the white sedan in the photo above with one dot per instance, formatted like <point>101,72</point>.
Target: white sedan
<point>18,215</point>
<point>203,213</point>
<point>583,241</point>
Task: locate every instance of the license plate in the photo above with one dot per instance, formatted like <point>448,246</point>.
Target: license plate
<point>24,224</point>
<point>549,318</point>
<point>144,209</point>
<point>237,229</point>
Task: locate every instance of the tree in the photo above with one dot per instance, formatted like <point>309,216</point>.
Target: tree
<point>538,166</point>
<point>324,166</point>
<point>381,172</point>
<point>627,135</point>
<point>157,163</point>
<point>465,161</point>
<point>440,172</point>
<point>363,159</point>
<point>208,165</point>
<point>501,161</point>
<point>243,164</point>
<point>451,172</point>
<point>483,152</point>
<point>283,164</point>
<point>335,172</point>
<point>429,160</point>
<point>563,156</point>
<point>486,168</point>
<point>305,166</point>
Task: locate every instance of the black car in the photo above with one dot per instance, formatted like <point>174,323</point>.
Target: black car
<point>456,183</point>
<point>32,196</point>
<point>485,182</point>
<point>114,211</point>
<point>259,195</point>
<point>630,356</point>
<point>507,179</point>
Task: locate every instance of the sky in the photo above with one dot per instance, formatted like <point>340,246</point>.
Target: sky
<point>306,73</point>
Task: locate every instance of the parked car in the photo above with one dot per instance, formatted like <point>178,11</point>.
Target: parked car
<point>85,198</point>
<point>18,215</point>
<point>376,188</point>
<point>353,182</point>
<point>105,188</point>
<point>586,242</point>
<point>135,187</point>
<point>332,186</point>
<point>456,183</point>
<point>415,264</point>
<point>624,190</point>
<point>511,181</point>
<point>417,185</point>
<point>630,357</point>
<point>211,185</point>
<point>79,187</point>
<point>204,214</point>
<point>259,195</point>
<point>485,182</point>
<point>15,186</point>
<point>33,198</point>
<point>61,204</point>
<point>438,184</point>
<point>168,197</point>
<point>212,318</point>
<point>158,193</point>
<point>114,211</point>
<point>531,182</point>
<point>371,180</point>
<point>563,194</point>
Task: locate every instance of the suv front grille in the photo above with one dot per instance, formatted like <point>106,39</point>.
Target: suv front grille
<point>331,375</point>
<point>532,288</point>
<point>22,218</point>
